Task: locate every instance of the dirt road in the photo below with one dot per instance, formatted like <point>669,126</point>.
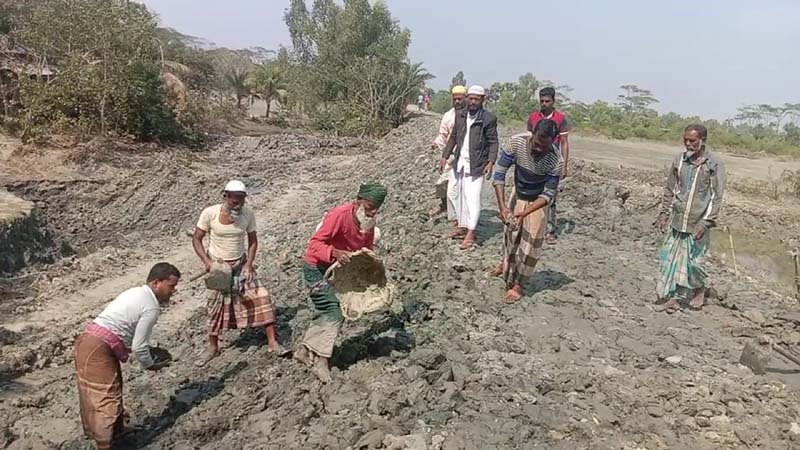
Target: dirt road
<point>585,361</point>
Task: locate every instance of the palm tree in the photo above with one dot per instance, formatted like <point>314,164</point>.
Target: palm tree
<point>235,77</point>
<point>268,82</point>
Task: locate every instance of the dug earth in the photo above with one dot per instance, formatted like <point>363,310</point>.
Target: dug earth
<point>584,361</point>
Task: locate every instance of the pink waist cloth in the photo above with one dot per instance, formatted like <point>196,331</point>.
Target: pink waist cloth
<point>120,350</point>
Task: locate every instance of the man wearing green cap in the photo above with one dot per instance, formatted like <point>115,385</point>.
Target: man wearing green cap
<point>345,229</point>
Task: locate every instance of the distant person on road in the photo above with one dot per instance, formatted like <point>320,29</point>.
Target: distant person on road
<point>427,102</point>
<point>124,327</point>
<point>547,110</point>
<point>447,178</point>
<point>689,209</point>
<point>537,170</point>
<point>473,145</point>
<point>233,240</point>
<point>421,102</point>
<point>345,229</point>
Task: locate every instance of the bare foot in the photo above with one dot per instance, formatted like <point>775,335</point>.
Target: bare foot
<point>278,349</point>
<point>211,354</point>
<point>322,370</point>
<point>698,300</point>
<point>496,271</point>
<point>302,355</point>
<point>513,295</point>
<point>671,306</point>
<point>467,243</point>
<point>551,239</point>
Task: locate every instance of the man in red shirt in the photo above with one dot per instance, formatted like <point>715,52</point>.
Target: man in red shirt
<point>345,229</point>
<point>547,110</point>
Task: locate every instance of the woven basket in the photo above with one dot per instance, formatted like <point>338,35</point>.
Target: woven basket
<point>361,285</point>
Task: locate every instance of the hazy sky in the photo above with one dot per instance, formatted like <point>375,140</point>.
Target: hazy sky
<point>705,58</point>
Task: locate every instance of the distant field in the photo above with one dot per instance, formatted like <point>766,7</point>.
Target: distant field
<point>655,155</point>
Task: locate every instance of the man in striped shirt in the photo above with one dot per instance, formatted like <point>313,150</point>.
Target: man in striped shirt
<point>689,209</point>
<point>547,110</point>
<point>537,169</point>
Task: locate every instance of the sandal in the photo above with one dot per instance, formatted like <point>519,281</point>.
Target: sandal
<point>511,297</point>
<point>458,233</point>
<point>495,271</point>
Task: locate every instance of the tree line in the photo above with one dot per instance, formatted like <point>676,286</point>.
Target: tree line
<point>755,128</point>
<point>116,72</point>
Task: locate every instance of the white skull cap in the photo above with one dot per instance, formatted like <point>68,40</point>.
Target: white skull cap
<point>235,186</point>
<point>476,90</point>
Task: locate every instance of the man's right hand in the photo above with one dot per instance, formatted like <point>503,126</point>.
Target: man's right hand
<point>208,265</point>
<point>505,215</point>
<point>661,223</point>
<point>442,164</point>
<point>341,256</point>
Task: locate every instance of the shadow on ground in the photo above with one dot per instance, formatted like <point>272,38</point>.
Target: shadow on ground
<point>379,340</point>
<point>186,397</point>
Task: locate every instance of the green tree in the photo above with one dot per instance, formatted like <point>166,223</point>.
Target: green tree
<point>353,63</point>
<point>458,80</point>
<point>636,101</point>
<point>109,70</point>
<point>267,81</point>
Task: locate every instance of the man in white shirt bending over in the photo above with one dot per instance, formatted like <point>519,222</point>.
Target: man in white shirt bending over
<point>124,327</point>
<point>231,227</point>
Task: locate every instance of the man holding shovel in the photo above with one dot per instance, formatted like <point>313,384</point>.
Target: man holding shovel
<point>345,229</point>
<point>537,169</point>
<point>236,299</point>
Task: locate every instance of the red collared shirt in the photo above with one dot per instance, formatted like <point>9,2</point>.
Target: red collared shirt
<point>338,231</point>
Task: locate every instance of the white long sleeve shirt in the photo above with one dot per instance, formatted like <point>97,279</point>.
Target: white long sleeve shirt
<point>445,128</point>
<point>131,316</point>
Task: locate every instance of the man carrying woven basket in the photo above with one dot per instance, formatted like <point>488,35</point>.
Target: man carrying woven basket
<point>345,229</point>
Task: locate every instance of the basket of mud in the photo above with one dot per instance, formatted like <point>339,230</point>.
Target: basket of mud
<point>361,285</point>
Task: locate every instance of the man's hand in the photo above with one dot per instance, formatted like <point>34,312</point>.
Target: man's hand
<point>247,273</point>
<point>699,231</point>
<point>488,170</point>
<point>661,223</point>
<point>341,256</point>
<point>564,171</point>
<point>505,214</point>
<point>442,164</point>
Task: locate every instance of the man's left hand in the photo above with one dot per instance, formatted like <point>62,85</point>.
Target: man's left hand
<point>247,273</point>
<point>488,170</point>
<point>564,171</point>
<point>699,232</point>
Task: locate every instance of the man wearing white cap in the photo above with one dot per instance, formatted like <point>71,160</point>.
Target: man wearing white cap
<point>446,180</point>
<point>233,240</point>
<point>473,145</point>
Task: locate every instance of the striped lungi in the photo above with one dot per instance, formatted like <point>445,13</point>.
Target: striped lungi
<point>327,318</point>
<point>682,258</point>
<point>99,389</point>
<point>523,245</point>
<point>246,305</point>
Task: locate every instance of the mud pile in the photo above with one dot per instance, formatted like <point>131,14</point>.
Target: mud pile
<point>584,361</point>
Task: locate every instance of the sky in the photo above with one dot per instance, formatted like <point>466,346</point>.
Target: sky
<point>698,58</point>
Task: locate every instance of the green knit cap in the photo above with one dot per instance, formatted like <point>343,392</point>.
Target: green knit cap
<point>373,192</point>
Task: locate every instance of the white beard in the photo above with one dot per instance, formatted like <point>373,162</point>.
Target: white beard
<point>365,223</point>
<point>233,214</point>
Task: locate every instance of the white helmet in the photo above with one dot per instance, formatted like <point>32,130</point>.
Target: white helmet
<point>235,186</point>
